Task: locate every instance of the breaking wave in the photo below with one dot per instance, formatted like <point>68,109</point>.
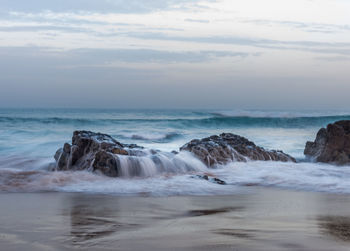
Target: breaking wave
<point>183,181</point>
<point>213,121</point>
<point>155,137</point>
<point>28,140</point>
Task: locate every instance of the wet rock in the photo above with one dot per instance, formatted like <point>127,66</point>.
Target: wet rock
<point>106,163</point>
<point>229,147</point>
<point>120,151</point>
<point>62,156</point>
<point>92,151</point>
<point>332,144</point>
<point>103,154</point>
<point>210,179</point>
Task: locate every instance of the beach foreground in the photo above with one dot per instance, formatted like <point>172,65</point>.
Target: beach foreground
<point>252,219</point>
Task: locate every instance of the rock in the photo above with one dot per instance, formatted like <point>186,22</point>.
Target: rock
<point>332,144</point>
<point>210,178</point>
<point>103,154</point>
<point>230,147</point>
<point>106,163</point>
<point>120,151</point>
<point>62,156</point>
<point>92,151</point>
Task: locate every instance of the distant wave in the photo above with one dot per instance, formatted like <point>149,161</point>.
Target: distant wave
<point>216,120</point>
<point>158,138</point>
<point>278,114</point>
<point>51,120</point>
<point>284,122</point>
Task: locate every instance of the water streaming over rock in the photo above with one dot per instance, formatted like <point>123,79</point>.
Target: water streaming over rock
<point>30,137</point>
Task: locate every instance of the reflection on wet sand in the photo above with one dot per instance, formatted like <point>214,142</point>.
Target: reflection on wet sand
<point>336,226</point>
<point>267,219</point>
<point>237,233</point>
<point>203,212</point>
<point>92,220</point>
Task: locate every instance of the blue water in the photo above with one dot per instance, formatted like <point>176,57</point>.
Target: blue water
<point>30,137</point>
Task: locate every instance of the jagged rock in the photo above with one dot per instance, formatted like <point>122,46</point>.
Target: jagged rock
<point>101,153</point>
<point>93,151</point>
<point>332,144</point>
<point>230,147</point>
<point>62,156</point>
<point>106,163</point>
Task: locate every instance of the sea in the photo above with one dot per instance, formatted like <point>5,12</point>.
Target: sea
<point>29,139</point>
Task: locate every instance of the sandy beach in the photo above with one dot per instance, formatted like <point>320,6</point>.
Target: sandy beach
<point>254,219</point>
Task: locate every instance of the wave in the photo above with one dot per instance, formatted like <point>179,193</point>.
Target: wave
<point>214,121</point>
<point>159,138</point>
<point>278,114</point>
<point>49,120</point>
<point>292,176</point>
<point>282,122</point>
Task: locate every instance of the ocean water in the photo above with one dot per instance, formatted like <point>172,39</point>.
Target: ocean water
<point>30,137</point>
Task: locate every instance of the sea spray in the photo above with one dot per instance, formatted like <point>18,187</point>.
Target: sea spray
<point>29,137</point>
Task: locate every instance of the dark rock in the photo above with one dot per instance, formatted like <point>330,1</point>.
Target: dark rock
<point>92,151</point>
<point>133,146</point>
<point>62,156</point>
<point>210,179</point>
<point>332,144</point>
<point>230,147</point>
<point>101,153</point>
<point>105,163</point>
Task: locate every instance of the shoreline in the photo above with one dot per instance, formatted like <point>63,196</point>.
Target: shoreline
<point>254,219</point>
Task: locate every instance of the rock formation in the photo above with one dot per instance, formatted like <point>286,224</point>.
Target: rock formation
<point>230,147</point>
<point>332,144</point>
<point>94,151</point>
<point>99,152</point>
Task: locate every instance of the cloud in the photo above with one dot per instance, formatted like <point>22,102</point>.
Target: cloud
<point>234,40</point>
<point>309,46</point>
<point>37,76</point>
<point>197,20</point>
<point>105,56</point>
<point>36,28</point>
<point>98,57</point>
<point>104,6</point>
<point>47,77</point>
<point>304,26</point>
<point>151,33</point>
<point>57,19</point>
<point>333,59</point>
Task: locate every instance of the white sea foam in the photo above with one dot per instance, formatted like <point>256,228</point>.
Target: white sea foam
<point>29,139</point>
<point>154,136</point>
<point>300,176</point>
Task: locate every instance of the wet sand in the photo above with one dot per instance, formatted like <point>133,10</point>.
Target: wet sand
<point>254,219</point>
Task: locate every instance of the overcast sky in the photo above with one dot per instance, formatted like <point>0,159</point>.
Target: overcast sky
<point>281,54</point>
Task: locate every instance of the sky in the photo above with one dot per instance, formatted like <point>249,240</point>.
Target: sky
<point>196,54</point>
